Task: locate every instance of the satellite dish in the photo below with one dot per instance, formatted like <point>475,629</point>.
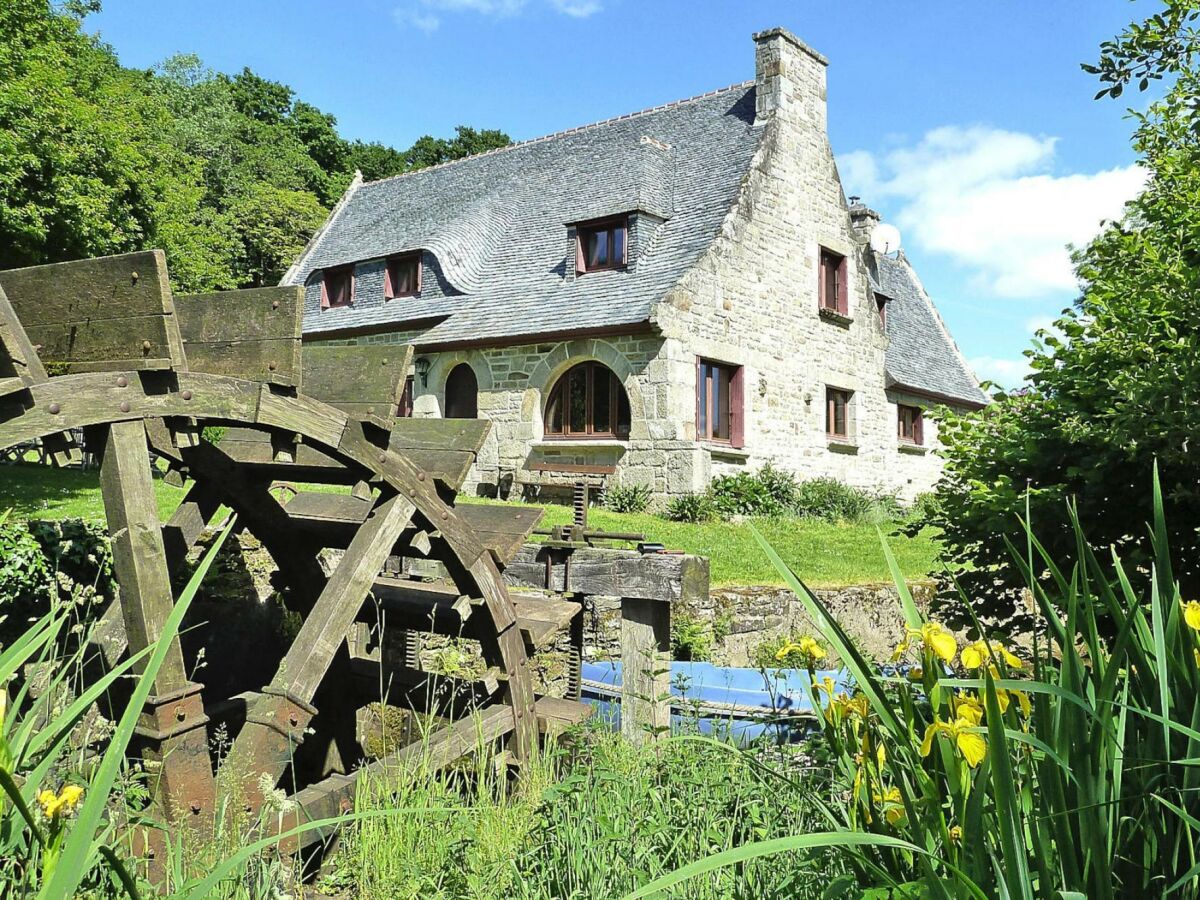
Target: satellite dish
<point>885,238</point>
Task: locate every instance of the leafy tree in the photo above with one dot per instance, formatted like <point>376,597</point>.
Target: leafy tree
<point>375,160</point>
<point>431,151</point>
<point>274,224</point>
<point>1115,386</point>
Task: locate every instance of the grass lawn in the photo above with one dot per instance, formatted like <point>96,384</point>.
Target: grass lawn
<point>42,492</point>
<point>824,555</point>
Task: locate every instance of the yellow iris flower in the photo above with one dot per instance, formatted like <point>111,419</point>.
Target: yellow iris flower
<point>980,653</point>
<point>956,834</point>
<point>970,744</point>
<point>810,648</point>
<point>937,640</point>
<point>1191,614</point>
<point>57,805</point>
<point>891,804</point>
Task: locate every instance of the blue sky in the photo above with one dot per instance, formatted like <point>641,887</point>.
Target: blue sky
<point>967,124</point>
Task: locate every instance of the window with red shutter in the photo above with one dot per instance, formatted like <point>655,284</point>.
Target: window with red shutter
<point>831,287</point>
<point>720,402</point>
<point>910,424</point>
<point>402,277</point>
<point>337,287</point>
<point>601,245</point>
<point>881,303</point>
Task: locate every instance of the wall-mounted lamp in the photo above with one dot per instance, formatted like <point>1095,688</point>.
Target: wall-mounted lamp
<point>421,367</point>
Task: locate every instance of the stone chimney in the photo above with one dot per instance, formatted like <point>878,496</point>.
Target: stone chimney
<point>863,219</point>
<point>789,79</point>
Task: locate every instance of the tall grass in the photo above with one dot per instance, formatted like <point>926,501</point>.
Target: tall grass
<point>593,817</point>
<point>1070,772</point>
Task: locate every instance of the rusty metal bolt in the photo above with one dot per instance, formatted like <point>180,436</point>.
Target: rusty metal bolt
<point>520,713</point>
<point>196,807</point>
<point>180,713</point>
<point>274,304</point>
<point>149,853</point>
<point>345,806</point>
<point>445,515</point>
<point>293,721</point>
<point>145,346</point>
<point>370,410</point>
<point>122,381</point>
<point>383,457</point>
<point>186,395</point>
<point>420,476</point>
<point>272,365</point>
<point>133,277</point>
<point>55,409</point>
<point>125,406</point>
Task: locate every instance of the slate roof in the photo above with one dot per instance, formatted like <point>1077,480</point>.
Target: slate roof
<point>921,355</point>
<point>495,224</point>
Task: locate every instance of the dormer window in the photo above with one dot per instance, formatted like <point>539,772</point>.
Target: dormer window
<point>601,245</point>
<point>402,277</point>
<point>337,287</point>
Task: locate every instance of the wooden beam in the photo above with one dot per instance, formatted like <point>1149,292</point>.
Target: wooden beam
<point>645,669</point>
<point>276,723</point>
<point>252,333</point>
<point>598,571</point>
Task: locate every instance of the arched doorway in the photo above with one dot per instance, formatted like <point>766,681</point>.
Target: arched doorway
<point>462,393</point>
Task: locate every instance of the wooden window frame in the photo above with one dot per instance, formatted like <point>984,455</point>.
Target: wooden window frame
<point>881,304</point>
<point>326,294</point>
<point>704,403</point>
<point>832,394</point>
<point>390,275</point>
<point>917,438</point>
<point>839,303</point>
<point>611,225</point>
<point>405,407</point>
<point>617,395</point>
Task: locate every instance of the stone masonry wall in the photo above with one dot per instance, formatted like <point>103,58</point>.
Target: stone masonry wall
<point>753,301</point>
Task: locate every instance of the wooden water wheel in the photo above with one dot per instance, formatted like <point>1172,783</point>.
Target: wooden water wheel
<point>101,345</point>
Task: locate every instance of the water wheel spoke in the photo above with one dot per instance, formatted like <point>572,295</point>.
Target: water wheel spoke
<point>276,721</point>
<point>174,740</point>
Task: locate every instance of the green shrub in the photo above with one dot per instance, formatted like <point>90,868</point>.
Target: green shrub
<point>26,578</point>
<point>633,498</point>
<point>691,508</point>
<point>830,500</point>
<point>744,494</point>
<point>692,638</point>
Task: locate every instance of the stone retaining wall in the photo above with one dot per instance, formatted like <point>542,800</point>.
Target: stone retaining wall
<point>742,618</point>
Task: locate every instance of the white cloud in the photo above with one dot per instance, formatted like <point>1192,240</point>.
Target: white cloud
<point>987,199</point>
<point>426,15</point>
<point>580,9</point>
<point>415,17</point>
<point>1008,373</point>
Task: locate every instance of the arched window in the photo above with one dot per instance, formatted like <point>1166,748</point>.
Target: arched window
<point>462,393</point>
<point>588,401</point>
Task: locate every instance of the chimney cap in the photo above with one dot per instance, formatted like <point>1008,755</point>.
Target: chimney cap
<point>763,36</point>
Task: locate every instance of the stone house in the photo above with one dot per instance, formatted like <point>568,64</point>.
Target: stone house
<point>655,299</point>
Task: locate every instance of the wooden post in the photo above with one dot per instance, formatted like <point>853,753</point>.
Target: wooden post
<point>645,668</point>
<point>172,725</point>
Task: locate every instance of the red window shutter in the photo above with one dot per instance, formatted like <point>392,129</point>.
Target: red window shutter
<point>737,408</point>
<point>822,278</point>
<point>918,426</point>
<point>843,305</point>
<point>580,268</point>
<point>417,263</point>
<point>701,399</point>
<point>324,292</point>
<point>389,284</point>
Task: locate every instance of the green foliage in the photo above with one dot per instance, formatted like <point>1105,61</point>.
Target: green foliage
<point>597,817</point>
<point>633,498</point>
<point>229,175</point>
<point>693,508</point>
<point>26,579</point>
<point>1113,384</point>
<point>692,638</point>
<point>744,494</point>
